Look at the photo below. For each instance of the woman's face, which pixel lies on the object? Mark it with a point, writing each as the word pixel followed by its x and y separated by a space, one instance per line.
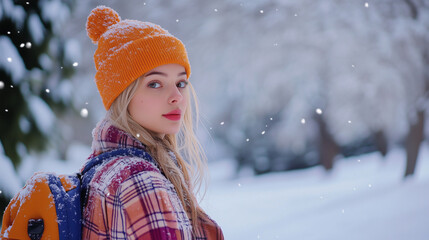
pixel 161 99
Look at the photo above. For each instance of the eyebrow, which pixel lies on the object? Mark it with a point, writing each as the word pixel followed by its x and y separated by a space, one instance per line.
pixel 163 74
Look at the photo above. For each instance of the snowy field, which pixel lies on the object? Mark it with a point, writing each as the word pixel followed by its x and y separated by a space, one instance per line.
pixel 364 197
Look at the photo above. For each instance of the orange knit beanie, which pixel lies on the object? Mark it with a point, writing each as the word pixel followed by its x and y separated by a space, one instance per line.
pixel 127 49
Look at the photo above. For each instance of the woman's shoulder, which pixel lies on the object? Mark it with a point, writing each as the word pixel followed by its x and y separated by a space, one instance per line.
pixel 114 172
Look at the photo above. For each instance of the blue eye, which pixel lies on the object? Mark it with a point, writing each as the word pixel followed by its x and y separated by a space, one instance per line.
pixel 182 84
pixel 154 85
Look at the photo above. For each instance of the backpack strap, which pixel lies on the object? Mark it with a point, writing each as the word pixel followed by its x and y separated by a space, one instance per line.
pixel 89 170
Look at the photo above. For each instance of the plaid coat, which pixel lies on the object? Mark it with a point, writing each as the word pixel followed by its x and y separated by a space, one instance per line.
pixel 129 197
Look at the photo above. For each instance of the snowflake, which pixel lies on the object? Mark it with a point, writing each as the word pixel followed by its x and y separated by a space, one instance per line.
pixel 84 112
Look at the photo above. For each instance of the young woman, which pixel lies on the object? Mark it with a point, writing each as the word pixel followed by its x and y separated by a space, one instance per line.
pixel 144 189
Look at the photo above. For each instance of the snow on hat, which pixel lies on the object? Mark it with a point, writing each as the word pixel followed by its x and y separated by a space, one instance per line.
pixel 127 49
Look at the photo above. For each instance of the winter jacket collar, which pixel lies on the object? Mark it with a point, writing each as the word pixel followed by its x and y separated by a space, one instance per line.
pixel 107 137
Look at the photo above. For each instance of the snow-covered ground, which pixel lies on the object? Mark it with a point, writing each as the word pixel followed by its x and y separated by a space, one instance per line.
pixel 364 197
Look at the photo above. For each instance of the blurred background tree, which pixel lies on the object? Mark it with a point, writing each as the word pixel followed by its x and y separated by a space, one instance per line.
pixel 35 66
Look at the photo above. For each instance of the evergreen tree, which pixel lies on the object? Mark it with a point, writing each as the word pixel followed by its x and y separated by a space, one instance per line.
pixel 34 68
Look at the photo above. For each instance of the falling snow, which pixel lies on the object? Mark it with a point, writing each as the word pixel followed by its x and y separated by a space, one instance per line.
pixel 75 64
pixel 319 111
pixel 1 84
pixel 84 112
pixel 303 121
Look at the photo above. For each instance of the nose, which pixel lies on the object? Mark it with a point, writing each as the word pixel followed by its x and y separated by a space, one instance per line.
pixel 175 96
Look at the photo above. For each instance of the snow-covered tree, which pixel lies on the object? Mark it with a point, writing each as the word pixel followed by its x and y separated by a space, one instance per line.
pixel 283 60
pixel 35 65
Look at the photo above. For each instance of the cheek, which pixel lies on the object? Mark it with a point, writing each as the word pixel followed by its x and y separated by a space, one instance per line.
pixel 140 106
pixel 185 99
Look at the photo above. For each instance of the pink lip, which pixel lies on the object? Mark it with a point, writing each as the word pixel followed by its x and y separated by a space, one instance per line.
pixel 174 115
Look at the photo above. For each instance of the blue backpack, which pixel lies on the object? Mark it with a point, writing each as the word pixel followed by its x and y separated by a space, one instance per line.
pixel 50 206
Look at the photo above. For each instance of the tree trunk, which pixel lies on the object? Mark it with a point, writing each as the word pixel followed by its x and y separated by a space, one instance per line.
pixel 414 138
pixel 381 142
pixel 328 148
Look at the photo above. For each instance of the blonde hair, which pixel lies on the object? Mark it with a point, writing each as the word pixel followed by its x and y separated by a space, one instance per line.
pixel 184 143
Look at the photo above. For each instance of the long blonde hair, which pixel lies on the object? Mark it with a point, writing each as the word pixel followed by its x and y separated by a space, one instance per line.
pixel 182 144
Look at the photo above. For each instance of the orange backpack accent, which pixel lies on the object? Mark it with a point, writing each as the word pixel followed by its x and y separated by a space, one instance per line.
pixel 44 201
